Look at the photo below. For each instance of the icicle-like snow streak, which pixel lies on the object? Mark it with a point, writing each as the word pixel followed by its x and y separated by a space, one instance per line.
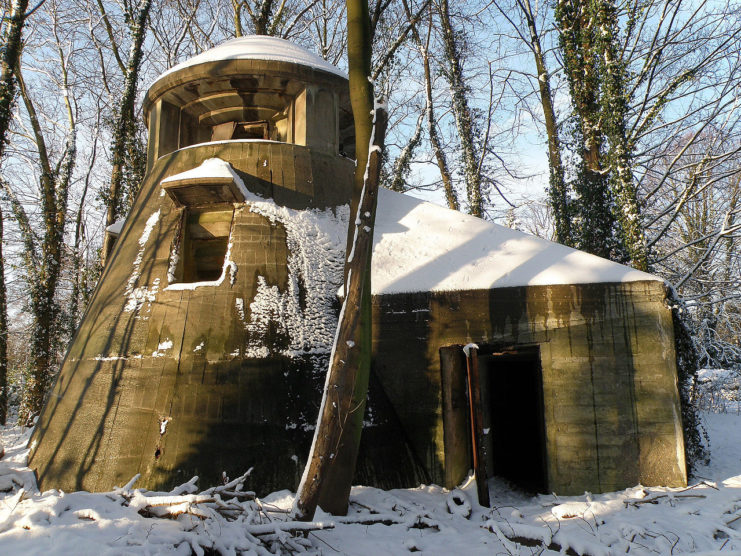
pixel 136 297
pixel 315 241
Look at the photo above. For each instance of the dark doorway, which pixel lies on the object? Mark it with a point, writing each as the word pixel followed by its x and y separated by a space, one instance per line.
pixel 512 393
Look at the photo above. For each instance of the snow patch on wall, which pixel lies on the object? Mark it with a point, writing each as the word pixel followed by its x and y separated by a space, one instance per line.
pixel 137 296
pixel 304 313
pixel 162 348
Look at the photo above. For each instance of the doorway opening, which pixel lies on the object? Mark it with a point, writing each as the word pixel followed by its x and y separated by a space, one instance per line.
pixel 512 400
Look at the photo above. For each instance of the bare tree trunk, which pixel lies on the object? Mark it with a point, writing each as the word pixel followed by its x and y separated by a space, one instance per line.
pixel 557 190
pixel 237 11
pixel 442 162
pixel 3 334
pixel 44 269
pixel 402 164
pixel 8 62
pixel 80 276
pixel 125 125
pixel 329 471
pixel 462 112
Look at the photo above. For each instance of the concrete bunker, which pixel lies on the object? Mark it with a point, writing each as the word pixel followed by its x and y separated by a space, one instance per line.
pixel 216 311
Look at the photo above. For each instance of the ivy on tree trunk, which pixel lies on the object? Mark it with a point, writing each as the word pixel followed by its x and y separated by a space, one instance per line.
pixel 124 133
pixel 462 112
pixel 3 334
pixel 42 256
pixel 607 210
pixel 11 53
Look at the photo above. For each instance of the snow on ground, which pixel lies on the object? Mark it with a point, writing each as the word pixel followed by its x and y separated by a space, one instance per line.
pixel 702 519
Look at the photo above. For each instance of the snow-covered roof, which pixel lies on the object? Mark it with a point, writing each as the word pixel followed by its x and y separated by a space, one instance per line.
pixel 258 47
pixel 419 246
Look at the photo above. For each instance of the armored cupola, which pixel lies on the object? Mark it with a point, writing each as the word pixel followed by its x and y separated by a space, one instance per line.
pixel 250 88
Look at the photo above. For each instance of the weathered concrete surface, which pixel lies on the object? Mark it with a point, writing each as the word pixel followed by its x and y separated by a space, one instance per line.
pixel 304 105
pixel 611 405
pixel 609 381
pixel 183 355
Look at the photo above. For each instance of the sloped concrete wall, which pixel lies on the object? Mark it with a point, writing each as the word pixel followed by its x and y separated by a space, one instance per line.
pixel 144 354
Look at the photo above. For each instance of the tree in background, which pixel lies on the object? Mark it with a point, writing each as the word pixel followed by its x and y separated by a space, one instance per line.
pixel 558 189
pixel 11 52
pixel 578 32
pixel 3 333
pixel 330 467
pixel 614 108
pixel 12 33
pixel 269 17
pixel 471 156
pixel 127 153
pixel 441 159
pixel 43 242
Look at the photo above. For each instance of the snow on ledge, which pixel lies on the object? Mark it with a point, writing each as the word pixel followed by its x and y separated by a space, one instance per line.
pixel 257 47
pixel 224 141
pixel 116 227
pixel 211 168
pixel 419 246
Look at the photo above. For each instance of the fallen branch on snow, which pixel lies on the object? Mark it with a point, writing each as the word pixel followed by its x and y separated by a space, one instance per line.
pixel 263 528
pixel 655 499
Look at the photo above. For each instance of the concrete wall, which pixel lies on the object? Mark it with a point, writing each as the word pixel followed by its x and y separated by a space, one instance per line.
pixel 612 415
pixel 610 397
pixel 227 411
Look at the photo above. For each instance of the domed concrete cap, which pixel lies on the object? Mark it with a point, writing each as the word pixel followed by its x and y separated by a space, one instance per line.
pixel 259 47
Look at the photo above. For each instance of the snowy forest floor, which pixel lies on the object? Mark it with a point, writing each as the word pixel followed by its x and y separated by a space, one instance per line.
pixel 702 519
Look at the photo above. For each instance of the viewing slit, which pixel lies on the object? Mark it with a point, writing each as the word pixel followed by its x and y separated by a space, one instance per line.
pixel 204 243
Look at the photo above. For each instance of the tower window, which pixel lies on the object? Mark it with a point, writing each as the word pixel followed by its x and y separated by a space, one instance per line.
pixel 204 242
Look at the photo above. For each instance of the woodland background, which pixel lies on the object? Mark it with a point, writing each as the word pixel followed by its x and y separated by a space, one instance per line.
pixel 610 126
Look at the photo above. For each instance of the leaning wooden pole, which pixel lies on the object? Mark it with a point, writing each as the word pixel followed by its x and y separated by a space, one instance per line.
pixel 477 423
pixel 331 464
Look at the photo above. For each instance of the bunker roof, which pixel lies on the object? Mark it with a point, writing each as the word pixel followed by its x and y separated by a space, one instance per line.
pixel 257 47
pixel 419 246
